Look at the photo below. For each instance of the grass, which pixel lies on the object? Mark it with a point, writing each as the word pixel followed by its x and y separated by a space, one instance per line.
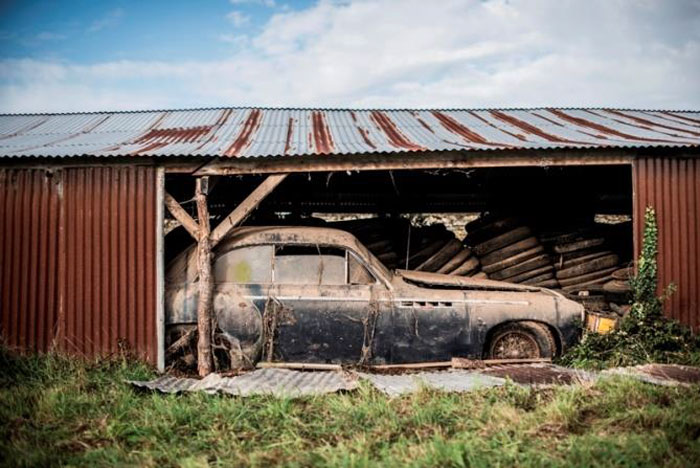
pixel 59 411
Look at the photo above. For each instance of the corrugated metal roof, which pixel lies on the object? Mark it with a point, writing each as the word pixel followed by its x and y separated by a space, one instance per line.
pixel 261 132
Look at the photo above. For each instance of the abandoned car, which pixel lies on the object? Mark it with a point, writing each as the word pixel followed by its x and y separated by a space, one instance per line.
pixel 317 295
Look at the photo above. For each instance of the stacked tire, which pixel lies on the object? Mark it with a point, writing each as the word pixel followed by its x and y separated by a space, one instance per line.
pixel 508 250
pixel 435 249
pixel 582 260
pixel 381 236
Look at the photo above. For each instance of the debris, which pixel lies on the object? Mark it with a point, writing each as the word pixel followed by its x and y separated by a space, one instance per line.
pixel 660 374
pixel 538 374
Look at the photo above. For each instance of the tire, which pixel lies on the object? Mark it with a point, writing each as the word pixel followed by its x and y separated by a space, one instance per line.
pixel 509 251
pixel 491 230
pixel 578 245
pixel 521 340
pixel 514 260
pixel 591 266
pixel 527 265
pixel 502 240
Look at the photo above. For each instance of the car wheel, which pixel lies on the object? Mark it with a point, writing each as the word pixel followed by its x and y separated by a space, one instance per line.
pixel 521 340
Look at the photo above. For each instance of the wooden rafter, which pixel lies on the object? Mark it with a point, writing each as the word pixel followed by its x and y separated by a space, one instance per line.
pixel 181 215
pixel 243 210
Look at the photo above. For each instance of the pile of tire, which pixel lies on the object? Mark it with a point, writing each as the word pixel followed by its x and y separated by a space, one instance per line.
pixel 435 249
pixel 508 250
pixel 619 290
pixel 582 259
pixel 382 236
pixel 429 248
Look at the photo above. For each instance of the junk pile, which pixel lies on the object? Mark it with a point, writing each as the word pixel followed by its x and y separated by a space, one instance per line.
pixel 509 251
pixel 587 261
pixel 431 248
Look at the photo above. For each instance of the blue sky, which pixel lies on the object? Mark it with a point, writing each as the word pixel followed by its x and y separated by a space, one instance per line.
pixel 88 31
pixel 110 55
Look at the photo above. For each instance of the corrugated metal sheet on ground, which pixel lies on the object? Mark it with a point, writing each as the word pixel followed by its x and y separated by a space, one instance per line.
pixel 279 382
pixel 259 132
pixel 78 261
pixel 449 381
pixel 290 383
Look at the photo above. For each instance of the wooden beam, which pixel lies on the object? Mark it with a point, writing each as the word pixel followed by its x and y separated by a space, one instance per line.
pixel 181 215
pixel 418 161
pixel 205 283
pixel 243 210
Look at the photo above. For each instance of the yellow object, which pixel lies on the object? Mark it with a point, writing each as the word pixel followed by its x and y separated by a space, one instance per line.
pixel 599 323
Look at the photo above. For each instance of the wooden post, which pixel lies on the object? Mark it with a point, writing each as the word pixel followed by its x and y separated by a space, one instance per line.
pixel 206 285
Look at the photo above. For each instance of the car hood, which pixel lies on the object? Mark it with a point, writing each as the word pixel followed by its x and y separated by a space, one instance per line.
pixel 419 278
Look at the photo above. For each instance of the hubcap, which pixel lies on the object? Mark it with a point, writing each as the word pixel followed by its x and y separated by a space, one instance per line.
pixel 515 345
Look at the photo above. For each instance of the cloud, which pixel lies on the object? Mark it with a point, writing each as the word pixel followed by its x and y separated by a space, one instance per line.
pixel 408 53
pixel 238 18
pixel 112 18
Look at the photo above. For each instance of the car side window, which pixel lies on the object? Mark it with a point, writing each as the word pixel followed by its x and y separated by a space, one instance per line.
pixel 309 265
pixel 357 273
pixel 245 265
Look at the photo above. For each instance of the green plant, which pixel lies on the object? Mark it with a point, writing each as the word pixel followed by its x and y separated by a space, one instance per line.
pixel 644 335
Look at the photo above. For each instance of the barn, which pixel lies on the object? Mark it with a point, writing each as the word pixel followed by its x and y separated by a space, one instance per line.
pixel 85 198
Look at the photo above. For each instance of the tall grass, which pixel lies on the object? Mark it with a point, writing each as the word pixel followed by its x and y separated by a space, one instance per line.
pixel 59 411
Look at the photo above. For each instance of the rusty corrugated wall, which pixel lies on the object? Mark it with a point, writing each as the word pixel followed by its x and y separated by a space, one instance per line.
pixel 78 256
pixel 672 187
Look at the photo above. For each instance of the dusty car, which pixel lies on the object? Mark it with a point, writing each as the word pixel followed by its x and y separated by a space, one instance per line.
pixel 317 295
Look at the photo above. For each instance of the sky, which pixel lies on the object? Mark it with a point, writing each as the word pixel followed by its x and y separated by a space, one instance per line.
pixel 88 55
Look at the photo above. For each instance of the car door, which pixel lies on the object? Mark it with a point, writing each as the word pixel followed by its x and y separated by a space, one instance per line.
pixel 327 309
pixel 429 326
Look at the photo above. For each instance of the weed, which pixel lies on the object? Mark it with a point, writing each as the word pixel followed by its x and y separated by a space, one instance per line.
pixel 60 411
pixel 644 335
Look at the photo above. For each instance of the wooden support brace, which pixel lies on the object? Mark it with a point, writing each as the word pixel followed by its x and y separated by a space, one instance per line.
pixel 181 215
pixel 243 210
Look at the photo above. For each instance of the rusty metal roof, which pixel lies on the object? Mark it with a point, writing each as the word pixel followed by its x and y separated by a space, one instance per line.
pixel 262 132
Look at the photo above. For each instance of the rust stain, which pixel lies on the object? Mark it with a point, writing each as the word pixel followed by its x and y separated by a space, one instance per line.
pixel 159 137
pixel 87 129
pixel 667 118
pixel 528 128
pixel 682 117
pixel 460 129
pixel 27 128
pixel 422 122
pixel 364 133
pixel 394 135
pixel 602 128
pixel 516 135
pixel 223 118
pixel 290 132
pixel 554 122
pixel 251 125
pixel 648 124
pixel 323 141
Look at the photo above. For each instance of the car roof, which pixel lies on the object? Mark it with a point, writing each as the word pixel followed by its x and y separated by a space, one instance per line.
pixel 249 235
